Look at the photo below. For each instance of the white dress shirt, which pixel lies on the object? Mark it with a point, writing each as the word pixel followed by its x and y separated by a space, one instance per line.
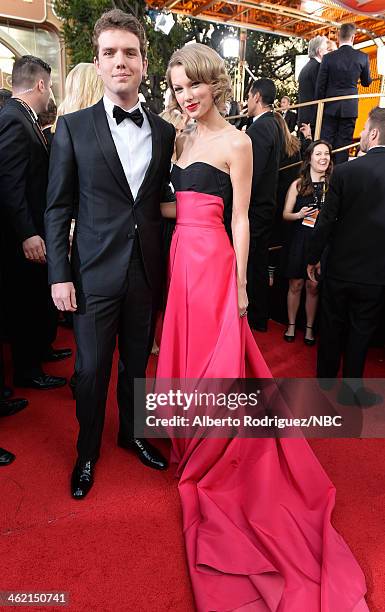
pixel 264 113
pixel 133 145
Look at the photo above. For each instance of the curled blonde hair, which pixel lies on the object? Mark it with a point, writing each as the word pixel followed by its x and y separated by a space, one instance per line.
pixel 83 88
pixel 204 65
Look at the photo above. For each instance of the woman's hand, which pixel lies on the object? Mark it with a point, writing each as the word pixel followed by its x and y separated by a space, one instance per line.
pixel 243 301
pixel 305 211
pixel 305 129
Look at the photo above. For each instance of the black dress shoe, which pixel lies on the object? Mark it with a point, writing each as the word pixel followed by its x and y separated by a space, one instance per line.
pixel 146 452
pixel 82 479
pixel 6 393
pixel 326 384
pixel 346 395
pixel 42 382
pixel 367 398
pixel 6 457
pixel 57 354
pixel 11 406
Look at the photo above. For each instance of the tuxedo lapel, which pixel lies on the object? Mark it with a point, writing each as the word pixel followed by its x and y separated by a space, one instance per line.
pixel 108 148
pixel 155 156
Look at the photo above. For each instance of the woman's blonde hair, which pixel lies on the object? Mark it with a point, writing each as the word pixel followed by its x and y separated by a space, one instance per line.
pixel 83 88
pixel 173 116
pixel 202 64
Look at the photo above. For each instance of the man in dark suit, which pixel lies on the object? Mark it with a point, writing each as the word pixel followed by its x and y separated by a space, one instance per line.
pixel 353 220
pixel 118 156
pixel 267 141
pixel 307 81
pixel 289 116
pixel 338 76
pixel 8 405
pixel 23 185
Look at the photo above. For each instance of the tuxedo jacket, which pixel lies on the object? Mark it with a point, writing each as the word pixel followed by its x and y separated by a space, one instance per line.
pixel 307 81
pixel 267 141
pixel 338 75
pixel 291 120
pixel 23 173
pixel 87 180
pixel 352 221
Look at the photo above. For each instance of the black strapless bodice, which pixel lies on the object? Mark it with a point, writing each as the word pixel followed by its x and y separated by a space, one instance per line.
pixel 205 178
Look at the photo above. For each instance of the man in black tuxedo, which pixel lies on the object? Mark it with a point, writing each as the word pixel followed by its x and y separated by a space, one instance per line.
pixel 353 220
pixel 289 116
pixel 338 76
pixel 117 155
pixel 307 81
pixel 23 185
pixel 267 141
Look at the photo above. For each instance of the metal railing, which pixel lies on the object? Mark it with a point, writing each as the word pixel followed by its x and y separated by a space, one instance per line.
pixel 320 112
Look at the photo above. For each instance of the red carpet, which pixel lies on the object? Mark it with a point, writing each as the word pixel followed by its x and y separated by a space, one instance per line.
pixel 122 548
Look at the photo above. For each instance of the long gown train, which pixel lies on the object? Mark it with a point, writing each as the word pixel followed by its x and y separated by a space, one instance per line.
pixel 256 512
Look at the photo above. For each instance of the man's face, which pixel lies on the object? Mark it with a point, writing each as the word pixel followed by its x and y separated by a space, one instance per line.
pixel 47 94
pixel 44 94
pixel 120 64
pixel 323 49
pixel 284 103
pixel 366 137
pixel 252 104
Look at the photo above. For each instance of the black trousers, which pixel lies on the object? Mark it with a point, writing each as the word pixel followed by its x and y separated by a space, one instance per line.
pixel 338 131
pixel 30 313
pixel 98 322
pixel 258 276
pixel 350 314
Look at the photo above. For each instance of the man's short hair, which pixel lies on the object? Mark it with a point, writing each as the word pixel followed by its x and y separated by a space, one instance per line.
pixel 117 19
pixel 5 95
pixel 347 30
pixel 315 44
pixel 266 89
pixel 377 121
pixel 27 70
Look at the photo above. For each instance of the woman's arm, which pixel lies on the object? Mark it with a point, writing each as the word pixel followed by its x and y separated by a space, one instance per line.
pixel 168 210
pixel 291 197
pixel 241 173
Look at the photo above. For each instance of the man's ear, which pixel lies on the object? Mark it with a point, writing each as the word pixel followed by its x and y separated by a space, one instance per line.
pixel 96 64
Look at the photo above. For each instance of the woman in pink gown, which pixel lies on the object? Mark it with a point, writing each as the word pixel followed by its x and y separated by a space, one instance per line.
pixel 256 512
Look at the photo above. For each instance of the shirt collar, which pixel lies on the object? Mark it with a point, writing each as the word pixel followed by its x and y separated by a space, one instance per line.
pixel 264 113
pixel 29 107
pixel 109 106
pixel 347 44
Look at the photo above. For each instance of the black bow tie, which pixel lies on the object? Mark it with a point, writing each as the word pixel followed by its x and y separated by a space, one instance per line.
pixel 120 115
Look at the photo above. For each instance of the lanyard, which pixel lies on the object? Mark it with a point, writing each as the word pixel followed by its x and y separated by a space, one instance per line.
pixel 35 121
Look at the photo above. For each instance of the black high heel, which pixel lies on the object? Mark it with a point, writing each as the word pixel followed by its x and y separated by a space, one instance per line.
pixel 286 336
pixel 309 341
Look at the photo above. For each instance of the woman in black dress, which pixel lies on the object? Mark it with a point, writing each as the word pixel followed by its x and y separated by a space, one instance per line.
pixel 304 200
